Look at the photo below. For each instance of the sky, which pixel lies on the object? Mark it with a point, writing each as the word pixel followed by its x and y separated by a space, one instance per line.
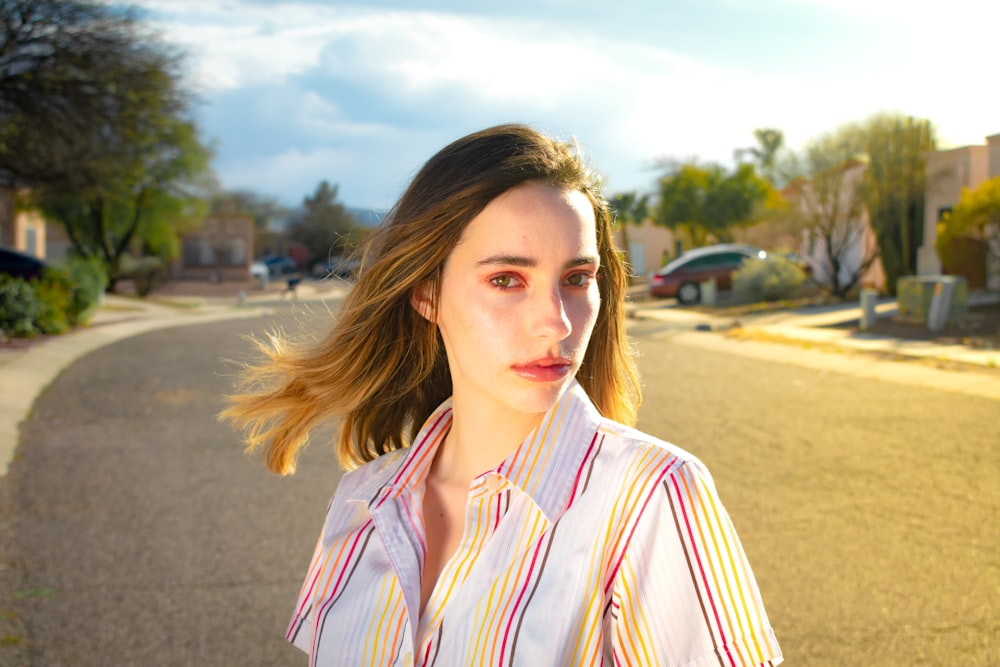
pixel 362 93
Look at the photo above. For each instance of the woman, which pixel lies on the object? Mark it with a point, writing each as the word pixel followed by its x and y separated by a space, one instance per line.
pixel 500 510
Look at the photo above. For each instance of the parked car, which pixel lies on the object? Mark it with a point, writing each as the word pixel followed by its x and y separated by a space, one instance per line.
pixel 338 267
pixel 683 276
pixel 259 271
pixel 279 265
pixel 20 265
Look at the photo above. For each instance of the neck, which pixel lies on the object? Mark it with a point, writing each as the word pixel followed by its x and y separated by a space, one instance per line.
pixel 478 442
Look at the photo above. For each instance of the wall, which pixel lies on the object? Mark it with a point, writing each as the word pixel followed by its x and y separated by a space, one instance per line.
pixel 222 250
pixel 647 244
pixel 21 230
pixel 948 172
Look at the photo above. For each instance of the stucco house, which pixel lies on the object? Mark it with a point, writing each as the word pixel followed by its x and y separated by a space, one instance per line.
pixel 221 250
pixel 948 173
pixel 24 231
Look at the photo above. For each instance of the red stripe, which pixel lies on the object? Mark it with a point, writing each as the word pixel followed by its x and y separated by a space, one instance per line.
pixel 414 459
pixel 517 603
pixel 635 524
pixel 701 569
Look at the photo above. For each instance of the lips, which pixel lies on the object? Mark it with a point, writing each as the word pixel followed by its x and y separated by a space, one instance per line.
pixel 546 369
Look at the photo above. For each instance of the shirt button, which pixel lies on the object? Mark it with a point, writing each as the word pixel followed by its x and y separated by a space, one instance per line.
pixel 407 659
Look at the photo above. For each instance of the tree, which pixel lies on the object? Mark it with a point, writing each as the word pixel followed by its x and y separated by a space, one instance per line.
pixel 766 153
pixel 895 183
pixel 94 120
pixel 977 216
pixel 67 68
pixel 707 202
pixel 156 195
pixel 324 226
pixel 827 198
pixel 263 210
pixel 628 208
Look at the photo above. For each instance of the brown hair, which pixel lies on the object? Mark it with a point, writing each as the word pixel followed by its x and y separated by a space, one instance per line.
pixel 383 368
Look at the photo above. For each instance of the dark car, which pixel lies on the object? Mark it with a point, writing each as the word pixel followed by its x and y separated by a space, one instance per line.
pixel 278 265
pixel 681 278
pixel 20 265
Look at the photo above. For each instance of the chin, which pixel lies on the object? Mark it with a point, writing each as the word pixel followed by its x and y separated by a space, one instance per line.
pixel 540 399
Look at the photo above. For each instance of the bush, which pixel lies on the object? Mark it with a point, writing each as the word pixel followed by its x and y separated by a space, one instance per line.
pixel 88 281
pixel 146 272
pixel 19 307
pixel 54 297
pixel 770 279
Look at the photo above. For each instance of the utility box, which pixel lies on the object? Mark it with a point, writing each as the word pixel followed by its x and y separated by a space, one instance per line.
pixel 915 293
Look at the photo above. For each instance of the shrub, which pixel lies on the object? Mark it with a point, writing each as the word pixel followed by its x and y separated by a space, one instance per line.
pixel 89 280
pixel 54 296
pixel 146 272
pixel 770 279
pixel 19 307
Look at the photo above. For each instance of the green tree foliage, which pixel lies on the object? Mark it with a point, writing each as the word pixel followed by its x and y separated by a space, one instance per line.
pixel 65 71
pixel 977 216
pixel 629 208
pixel 895 183
pixel 706 203
pixel 766 154
pixel 95 121
pixel 259 208
pixel 827 198
pixel 324 226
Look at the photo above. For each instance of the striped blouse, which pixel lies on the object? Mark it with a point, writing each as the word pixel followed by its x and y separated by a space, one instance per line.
pixel 592 544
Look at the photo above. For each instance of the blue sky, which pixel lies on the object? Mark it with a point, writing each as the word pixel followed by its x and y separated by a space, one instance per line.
pixel 362 93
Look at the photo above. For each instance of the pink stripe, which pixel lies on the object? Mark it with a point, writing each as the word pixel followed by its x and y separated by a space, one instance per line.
pixel 517 603
pixel 414 460
pixel 343 570
pixel 635 525
pixel 701 568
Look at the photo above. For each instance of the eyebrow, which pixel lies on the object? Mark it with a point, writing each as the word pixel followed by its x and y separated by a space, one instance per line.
pixel 528 262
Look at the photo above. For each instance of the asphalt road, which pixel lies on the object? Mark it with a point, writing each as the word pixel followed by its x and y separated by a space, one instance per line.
pixel 133 530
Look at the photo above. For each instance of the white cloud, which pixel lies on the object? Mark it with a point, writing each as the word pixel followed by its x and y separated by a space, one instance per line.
pixel 631 103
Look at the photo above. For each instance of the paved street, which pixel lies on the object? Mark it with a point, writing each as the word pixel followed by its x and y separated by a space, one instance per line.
pixel 133 531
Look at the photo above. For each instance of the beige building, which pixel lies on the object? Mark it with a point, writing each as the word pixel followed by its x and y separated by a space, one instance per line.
pixel 647 246
pixel 220 251
pixel 948 173
pixel 23 231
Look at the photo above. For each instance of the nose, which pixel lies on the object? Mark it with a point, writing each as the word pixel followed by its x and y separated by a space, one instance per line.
pixel 551 320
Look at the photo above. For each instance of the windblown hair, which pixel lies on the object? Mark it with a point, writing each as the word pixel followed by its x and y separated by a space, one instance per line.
pixel 382 370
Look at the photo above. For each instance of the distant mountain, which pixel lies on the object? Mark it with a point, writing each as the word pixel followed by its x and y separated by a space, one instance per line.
pixel 365 216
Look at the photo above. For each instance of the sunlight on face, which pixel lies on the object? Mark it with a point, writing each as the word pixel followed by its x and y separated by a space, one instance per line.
pixel 519 299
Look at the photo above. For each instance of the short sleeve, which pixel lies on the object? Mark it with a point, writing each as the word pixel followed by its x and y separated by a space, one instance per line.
pixel 684 593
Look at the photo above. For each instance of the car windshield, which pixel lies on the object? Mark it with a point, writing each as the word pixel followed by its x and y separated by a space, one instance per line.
pixel 720 256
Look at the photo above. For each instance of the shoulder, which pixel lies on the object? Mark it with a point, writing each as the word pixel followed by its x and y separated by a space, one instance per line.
pixel 648 473
pixel 630 444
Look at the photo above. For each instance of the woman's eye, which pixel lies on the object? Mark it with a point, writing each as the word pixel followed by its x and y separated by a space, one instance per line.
pixel 579 279
pixel 504 281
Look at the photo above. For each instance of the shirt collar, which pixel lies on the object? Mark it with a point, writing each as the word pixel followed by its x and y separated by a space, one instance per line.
pixel 545 466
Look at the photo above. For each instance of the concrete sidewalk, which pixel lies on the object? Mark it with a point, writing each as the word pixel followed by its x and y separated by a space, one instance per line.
pixel 818 325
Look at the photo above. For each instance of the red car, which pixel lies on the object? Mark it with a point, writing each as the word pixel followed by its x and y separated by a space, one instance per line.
pixel 683 276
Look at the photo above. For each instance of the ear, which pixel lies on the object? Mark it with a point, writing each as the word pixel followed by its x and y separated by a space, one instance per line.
pixel 422 300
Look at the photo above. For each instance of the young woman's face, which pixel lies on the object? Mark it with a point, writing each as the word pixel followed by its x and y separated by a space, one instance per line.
pixel 519 299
